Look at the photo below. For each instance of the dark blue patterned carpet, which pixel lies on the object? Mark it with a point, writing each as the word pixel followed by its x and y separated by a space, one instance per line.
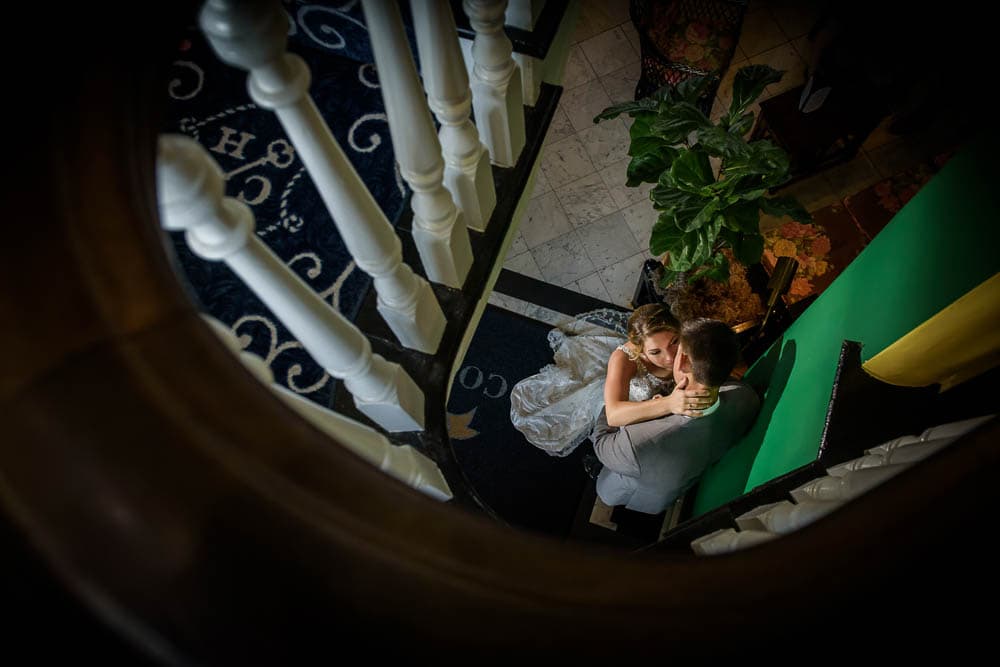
pixel 524 485
pixel 208 101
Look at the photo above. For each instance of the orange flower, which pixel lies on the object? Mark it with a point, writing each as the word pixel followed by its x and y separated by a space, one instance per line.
pixel 800 287
pixel 794 230
pixel 820 246
pixel 784 248
pixel 821 267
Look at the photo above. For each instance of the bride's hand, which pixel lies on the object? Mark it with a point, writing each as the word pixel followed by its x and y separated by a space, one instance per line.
pixel 689 402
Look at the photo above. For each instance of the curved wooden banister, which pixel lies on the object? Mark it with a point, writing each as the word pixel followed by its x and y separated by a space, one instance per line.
pixel 203 520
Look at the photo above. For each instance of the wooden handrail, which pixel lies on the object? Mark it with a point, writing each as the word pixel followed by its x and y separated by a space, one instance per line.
pixel 204 521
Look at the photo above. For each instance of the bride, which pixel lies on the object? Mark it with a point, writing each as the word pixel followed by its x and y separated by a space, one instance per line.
pixel 603 361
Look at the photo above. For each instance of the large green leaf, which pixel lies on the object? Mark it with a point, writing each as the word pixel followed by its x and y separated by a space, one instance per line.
pixel 665 235
pixel 613 111
pixel 717 268
pixel 645 144
pixel 666 93
pixel 748 248
pixel 691 90
pixel 665 197
pixel 762 159
pixel 641 126
pixel 675 122
pixel 705 215
pixel 781 206
pixel 691 171
pixel 743 216
pixel 720 143
pixel 748 84
pixel 772 162
pixel 646 168
pixel 742 125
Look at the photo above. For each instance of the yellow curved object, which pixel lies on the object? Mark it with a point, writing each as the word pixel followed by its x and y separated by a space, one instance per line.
pixel 956 344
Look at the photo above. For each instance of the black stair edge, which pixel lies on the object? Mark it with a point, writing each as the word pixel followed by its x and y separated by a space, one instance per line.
pixel 548 295
pixel 534 43
pixel 864 412
pixel 432 373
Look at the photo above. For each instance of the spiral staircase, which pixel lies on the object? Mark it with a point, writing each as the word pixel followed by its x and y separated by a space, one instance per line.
pixel 161 504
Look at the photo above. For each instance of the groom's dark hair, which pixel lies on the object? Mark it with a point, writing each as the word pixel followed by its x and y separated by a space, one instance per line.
pixel 713 349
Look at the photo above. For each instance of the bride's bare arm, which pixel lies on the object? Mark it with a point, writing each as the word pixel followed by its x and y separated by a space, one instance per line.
pixel 621 412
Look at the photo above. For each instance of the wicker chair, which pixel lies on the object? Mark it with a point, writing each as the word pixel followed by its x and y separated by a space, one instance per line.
pixel 681 39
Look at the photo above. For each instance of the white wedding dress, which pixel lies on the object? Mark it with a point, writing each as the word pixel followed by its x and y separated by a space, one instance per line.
pixel 556 408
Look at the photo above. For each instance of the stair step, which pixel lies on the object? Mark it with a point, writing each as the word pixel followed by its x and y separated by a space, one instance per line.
pixel 550 296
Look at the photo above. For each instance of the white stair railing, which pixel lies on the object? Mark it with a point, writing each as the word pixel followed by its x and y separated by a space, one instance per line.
pixel 521 14
pixel 467 172
pixel 843 482
pixel 401 461
pixel 496 83
pixel 438 225
pixel 190 189
pixel 252 36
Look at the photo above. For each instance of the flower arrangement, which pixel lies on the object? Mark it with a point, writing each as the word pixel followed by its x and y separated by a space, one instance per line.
pixel 807 243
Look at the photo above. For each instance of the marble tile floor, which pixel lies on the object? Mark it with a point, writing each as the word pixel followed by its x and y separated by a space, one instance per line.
pixel 584 229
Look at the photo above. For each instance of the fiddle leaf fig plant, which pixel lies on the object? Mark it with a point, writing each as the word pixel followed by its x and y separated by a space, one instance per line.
pixel 703 210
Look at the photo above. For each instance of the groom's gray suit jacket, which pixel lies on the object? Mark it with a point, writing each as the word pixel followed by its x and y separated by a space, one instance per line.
pixel 650 464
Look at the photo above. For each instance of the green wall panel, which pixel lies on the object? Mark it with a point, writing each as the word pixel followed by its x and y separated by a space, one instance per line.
pixel 943 243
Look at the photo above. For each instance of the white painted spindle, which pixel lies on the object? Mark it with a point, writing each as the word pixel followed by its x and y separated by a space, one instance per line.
pixel 438 226
pixel 402 462
pixel 728 540
pixel 522 14
pixel 849 485
pixel 252 36
pixel 467 172
pixel 190 191
pixel 496 83
pixel 784 517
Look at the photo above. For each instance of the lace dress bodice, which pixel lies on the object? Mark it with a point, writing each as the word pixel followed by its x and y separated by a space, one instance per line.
pixel 644 385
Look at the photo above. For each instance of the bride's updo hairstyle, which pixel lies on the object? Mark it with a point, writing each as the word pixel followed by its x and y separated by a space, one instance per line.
pixel 648 320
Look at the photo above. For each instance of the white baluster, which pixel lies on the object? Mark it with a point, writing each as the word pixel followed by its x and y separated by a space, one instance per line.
pixel 467 172
pixel 726 540
pixel 438 226
pixel 190 190
pixel 252 36
pixel 784 517
pixel 850 485
pixel 402 462
pixel 954 429
pixel 496 83
pixel 521 14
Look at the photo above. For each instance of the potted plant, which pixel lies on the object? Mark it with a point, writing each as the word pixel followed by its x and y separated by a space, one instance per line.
pixel 709 214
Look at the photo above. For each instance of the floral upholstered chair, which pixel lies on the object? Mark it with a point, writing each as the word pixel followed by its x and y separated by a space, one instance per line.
pixel 681 39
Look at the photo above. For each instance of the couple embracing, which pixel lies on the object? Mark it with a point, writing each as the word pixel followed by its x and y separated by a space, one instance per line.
pixel 664 411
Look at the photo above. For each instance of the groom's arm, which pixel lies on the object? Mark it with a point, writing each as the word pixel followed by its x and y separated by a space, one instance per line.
pixel 617 448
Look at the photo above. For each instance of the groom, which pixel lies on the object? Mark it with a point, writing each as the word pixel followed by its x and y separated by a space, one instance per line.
pixel 649 464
